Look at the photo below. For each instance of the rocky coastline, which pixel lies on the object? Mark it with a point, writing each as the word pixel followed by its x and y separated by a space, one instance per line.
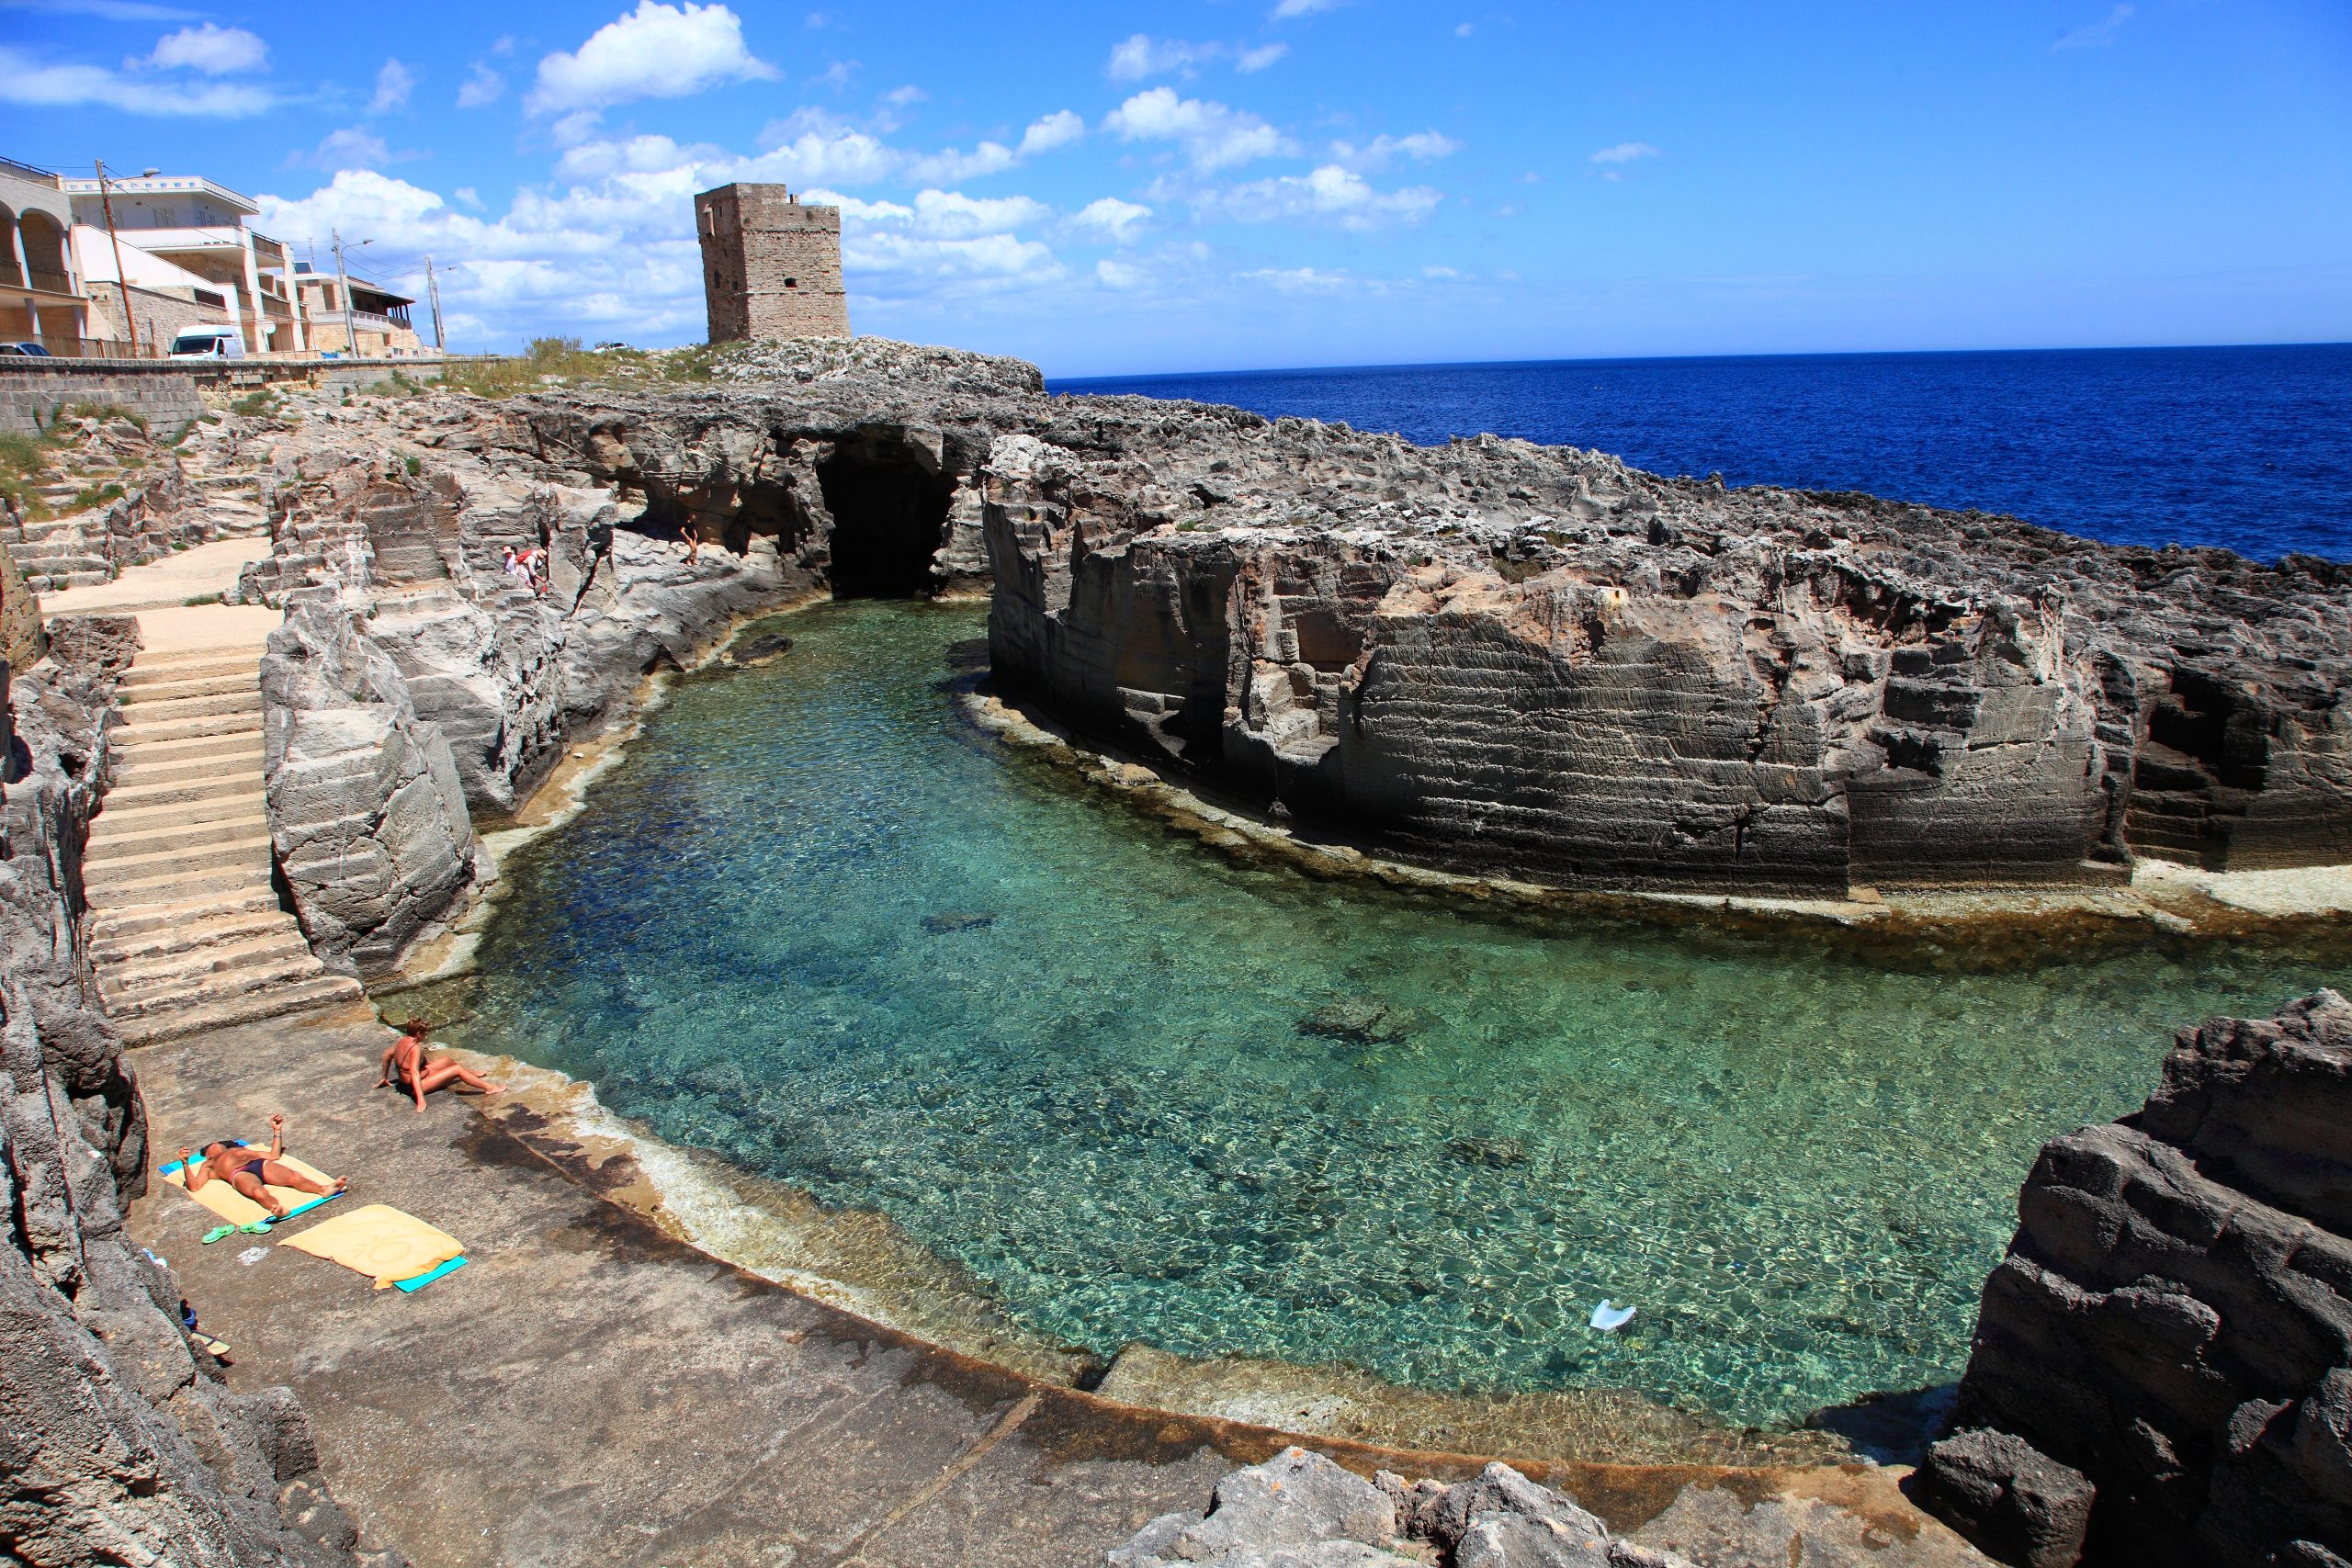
pixel 1493 666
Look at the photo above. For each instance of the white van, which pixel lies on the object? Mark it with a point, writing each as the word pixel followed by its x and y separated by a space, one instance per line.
pixel 208 343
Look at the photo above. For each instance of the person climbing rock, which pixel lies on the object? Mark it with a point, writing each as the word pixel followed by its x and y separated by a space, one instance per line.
pixel 254 1174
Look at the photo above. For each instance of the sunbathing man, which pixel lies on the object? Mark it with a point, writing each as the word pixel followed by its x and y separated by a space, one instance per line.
pixel 252 1173
pixel 423 1075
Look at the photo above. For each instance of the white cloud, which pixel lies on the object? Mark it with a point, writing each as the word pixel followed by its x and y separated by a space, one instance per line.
pixel 2099 33
pixel 1120 275
pixel 25 80
pixel 1141 57
pixel 393 83
pixel 1421 147
pixel 1465 29
pixel 1329 194
pixel 469 196
pixel 1625 152
pixel 1059 129
pixel 1295 279
pixel 215 51
pixel 482 87
pixel 1289 8
pixel 654 52
pixel 354 147
pixel 1111 218
pixel 1251 61
pixel 900 98
pixel 952 215
pixel 1213 136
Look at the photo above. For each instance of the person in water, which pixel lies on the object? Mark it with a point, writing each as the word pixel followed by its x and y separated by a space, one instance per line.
pixel 254 1173
pixel 423 1074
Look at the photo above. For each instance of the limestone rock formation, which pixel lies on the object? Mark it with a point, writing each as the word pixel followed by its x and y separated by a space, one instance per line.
pixel 1532 661
pixel 2162 1373
pixel 117 1443
pixel 1300 1510
pixel 367 816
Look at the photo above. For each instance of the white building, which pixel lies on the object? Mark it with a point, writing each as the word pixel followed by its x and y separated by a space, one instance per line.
pixel 215 268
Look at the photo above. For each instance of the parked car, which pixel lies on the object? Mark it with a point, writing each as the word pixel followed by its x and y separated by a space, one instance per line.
pixel 208 343
pixel 25 350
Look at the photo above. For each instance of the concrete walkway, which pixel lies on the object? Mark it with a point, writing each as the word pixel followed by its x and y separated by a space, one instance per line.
pixel 589 1390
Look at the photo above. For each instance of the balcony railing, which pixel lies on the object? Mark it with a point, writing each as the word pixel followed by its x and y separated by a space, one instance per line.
pixel 53 282
pixel 63 346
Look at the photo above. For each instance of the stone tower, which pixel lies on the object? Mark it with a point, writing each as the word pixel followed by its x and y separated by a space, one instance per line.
pixel 771 268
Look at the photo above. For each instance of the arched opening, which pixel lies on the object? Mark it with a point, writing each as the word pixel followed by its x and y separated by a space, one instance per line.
pixel 889 518
pixel 45 253
pixel 9 272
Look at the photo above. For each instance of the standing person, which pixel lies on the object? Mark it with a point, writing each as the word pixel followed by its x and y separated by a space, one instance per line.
pixel 406 1056
pixel 254 1174
pixel 692 533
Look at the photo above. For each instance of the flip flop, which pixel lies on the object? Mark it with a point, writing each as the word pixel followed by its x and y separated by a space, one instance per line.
pixel 255 1227
pixel 217 1232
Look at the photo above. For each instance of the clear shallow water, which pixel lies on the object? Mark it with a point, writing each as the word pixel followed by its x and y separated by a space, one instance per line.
pixel 2241 447
pixel 1797 1163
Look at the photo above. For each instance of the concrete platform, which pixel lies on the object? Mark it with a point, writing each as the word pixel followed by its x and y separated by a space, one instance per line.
pixel 161 584
pixel 590 1391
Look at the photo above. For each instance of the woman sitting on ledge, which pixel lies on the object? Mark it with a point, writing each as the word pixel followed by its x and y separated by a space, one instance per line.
pixel 252 1172
pixel 423 1075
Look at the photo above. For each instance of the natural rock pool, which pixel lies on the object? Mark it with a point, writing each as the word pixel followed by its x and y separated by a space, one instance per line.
pixel 818 925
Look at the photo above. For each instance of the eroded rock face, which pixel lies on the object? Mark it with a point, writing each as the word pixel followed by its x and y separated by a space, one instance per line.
pixel 2162 1371
pixel 1538 662
pixel 367 816
pixel 118 1444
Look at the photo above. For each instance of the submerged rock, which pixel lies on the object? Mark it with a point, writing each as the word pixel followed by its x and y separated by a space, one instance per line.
pixel 756 651
pixel 2162 1371
pixel 940 925
pixel 1364 1022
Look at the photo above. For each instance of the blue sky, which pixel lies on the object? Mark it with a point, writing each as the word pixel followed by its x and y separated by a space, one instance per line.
pixel 1224 183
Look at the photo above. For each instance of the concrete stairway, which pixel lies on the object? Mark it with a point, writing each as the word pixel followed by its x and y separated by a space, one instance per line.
pixel 185 925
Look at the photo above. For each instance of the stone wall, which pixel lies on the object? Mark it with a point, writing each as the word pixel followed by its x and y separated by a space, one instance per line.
pixel 119 1442
pixel 2162 1373
pixel 165 395
pixel 160 316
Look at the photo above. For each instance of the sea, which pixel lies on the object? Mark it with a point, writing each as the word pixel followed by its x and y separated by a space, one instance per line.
pixel 2247 448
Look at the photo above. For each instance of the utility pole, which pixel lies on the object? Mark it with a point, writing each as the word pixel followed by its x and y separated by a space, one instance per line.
pixel 121 279
pixel 433 290
pixel 342 281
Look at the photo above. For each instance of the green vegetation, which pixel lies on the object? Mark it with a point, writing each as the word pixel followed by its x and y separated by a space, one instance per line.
pixel 255 405
pixel 86 409
pixel 180 436
pixel 564 360
pixel 89 496
pixel 396 385
pixel 201 599
pixel 20 464
pixel 415 466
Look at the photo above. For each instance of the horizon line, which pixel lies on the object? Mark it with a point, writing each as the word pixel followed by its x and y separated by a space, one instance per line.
pixel 1695 358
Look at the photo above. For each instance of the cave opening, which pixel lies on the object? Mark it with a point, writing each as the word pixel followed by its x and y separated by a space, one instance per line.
pixel 890 519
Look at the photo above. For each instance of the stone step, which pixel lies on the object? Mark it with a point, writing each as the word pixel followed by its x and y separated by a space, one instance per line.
pixel 200 833
pixel 124 922
pixel 164 754
pixel 143 731
pixel 195 780
pixel 51 582
pixel 156 661
pixel 154 707
pixel 229 797
pixel 133 989
pixel 190 932
pixel 239 676
pixel 121 876
pixel 308 996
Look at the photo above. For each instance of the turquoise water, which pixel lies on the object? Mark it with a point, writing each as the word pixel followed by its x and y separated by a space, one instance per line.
pixel 817 925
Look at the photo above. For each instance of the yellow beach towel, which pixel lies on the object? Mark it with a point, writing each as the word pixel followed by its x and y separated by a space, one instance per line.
pixel 234 1206
pixel 381 1242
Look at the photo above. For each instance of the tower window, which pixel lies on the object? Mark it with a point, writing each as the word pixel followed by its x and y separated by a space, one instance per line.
pixel 792 283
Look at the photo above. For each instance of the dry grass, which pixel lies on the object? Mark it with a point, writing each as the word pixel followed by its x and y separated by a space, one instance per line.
pixel 562 361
